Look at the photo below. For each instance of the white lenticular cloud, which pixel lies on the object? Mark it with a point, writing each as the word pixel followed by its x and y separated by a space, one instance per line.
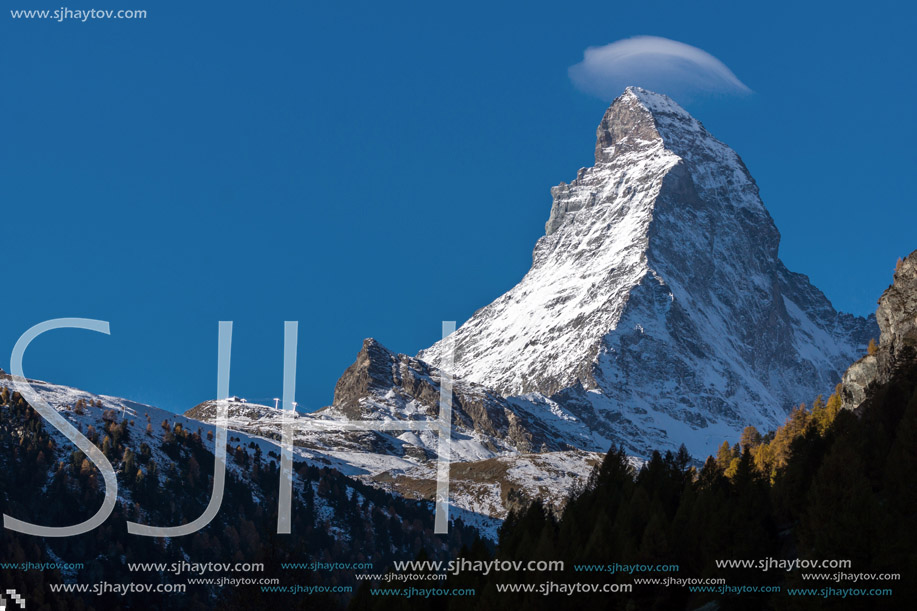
pixel 659 64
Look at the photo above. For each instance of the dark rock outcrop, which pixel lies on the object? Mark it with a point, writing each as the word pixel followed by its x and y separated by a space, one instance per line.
pixel 896 357
pixel 382 384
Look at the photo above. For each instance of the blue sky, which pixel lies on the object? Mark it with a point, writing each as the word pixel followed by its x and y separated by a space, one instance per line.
pixel 371 169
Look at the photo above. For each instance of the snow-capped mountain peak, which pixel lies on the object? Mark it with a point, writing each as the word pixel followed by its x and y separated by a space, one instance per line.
pixel 657 287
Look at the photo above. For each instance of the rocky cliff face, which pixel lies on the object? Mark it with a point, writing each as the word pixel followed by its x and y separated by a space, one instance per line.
pixel 657 310
pixel 897 353
pixel 382 385
pixel 897 316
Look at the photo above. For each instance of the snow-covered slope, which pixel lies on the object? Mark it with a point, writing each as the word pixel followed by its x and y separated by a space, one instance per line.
pixel 657 310
pixel 502 453
pixel 252 428
pixel 494 486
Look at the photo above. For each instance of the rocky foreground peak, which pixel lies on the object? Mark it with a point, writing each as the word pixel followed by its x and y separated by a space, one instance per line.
pixel 374 370
pixel 383 385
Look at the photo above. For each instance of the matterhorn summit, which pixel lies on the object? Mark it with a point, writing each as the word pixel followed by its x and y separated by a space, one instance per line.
pixel 657 311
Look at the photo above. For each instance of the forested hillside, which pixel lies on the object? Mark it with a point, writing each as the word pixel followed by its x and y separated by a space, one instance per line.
pixel 164 475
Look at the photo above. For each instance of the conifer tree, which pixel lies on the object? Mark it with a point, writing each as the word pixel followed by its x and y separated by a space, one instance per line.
pixel 750 439
pixel 724 456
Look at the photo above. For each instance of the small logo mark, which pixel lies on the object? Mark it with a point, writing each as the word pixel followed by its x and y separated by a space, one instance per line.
pixel 14 596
